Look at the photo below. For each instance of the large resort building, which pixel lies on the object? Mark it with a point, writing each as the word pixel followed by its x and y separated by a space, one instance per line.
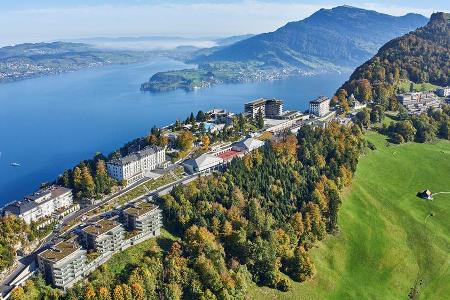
pixel 134 166
pixel 70 260
pixel 269 108
pixel 44 205
pixel 320 106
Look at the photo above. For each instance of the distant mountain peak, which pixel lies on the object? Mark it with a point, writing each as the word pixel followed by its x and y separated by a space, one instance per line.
pixel 338 38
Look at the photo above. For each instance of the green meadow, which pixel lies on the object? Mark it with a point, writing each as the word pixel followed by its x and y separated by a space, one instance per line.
pixel 391 244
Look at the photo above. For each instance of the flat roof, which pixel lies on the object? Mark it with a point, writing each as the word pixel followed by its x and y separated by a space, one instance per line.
pixel 60 250
pixel 229 154
pixel 136 155
pixel 140 209
pixel 319 100
pixel 256 102
pixel 100 227
pixel 54 190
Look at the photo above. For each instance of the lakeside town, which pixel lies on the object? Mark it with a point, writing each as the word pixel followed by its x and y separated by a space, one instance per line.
pixel 84 233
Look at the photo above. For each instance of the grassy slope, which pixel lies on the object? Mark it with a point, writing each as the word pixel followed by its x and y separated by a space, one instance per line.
pixel 385 247
pixel 134 255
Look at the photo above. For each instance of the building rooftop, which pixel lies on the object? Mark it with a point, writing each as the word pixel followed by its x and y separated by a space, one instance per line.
pixel 319 100
pixel 135 156
pixel 229 154
pixel 60 250
pixel 100 227
pixel 140 209
pixel 256 102
pixel 34 200
pixel 51 192
pixel 20 207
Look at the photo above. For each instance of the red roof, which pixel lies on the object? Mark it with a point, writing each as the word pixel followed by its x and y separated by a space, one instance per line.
pixel 229 154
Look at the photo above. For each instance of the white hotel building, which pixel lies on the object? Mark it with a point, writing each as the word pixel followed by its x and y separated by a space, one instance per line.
pixel 133 167
pixel 320 106
pixel 47 203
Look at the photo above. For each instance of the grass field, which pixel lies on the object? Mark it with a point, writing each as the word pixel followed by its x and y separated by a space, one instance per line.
pixel 405 85
pixel 388 243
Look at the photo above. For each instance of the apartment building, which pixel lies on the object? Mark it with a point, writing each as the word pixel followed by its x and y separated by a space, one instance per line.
pixel 68 261
pixel 134 166
pixel 320 106
pixel 103 236
pixel 63 264
pixel 45 204
pixel 143 217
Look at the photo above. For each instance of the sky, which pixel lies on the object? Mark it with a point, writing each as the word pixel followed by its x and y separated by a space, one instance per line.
pixel 47 20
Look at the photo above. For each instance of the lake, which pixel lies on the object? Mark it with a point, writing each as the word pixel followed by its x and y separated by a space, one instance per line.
pixel 50 123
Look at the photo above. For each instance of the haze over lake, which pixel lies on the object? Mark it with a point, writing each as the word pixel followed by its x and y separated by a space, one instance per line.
pixel 48 124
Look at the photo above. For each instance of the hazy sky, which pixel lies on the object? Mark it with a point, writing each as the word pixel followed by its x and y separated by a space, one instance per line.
pixel 44 20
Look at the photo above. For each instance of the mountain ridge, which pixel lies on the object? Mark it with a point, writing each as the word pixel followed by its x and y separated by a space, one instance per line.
pixel 304 43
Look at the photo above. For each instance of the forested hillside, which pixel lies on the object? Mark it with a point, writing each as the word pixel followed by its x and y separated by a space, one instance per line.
pixel 255 223
pixel 420 56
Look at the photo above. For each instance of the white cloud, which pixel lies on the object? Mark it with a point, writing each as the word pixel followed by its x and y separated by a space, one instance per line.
pixel 397 10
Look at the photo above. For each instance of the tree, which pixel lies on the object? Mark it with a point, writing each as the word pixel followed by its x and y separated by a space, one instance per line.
pixel 205 142
pixel 297 224
pixel 137 291
pixel 90 293
pixel 172 291
pixel 185 140
pixel 302 266
pixel 77 179
pixel 201 116
pixel 88 185
pixel 260 119
pixel 363 118
pixel 118 293
pixel 64 179
pixel 377 114
pixel 103 294
pixel 18 294
pixel 192 119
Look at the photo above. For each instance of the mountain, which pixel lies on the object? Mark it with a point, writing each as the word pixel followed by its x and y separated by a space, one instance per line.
pixel 343 36
pixel 421 56
pixel 329 40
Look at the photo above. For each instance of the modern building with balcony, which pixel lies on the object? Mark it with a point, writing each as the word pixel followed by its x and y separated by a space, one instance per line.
pixel 63 264
pixel 105 235
pixel 144 218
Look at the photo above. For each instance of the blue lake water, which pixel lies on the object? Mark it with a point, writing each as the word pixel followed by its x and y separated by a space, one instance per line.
pixel 48 124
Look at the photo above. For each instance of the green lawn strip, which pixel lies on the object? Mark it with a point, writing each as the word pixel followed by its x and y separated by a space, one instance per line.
pixel 384 246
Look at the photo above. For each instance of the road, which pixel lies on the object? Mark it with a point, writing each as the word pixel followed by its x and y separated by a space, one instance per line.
pixel 27 260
